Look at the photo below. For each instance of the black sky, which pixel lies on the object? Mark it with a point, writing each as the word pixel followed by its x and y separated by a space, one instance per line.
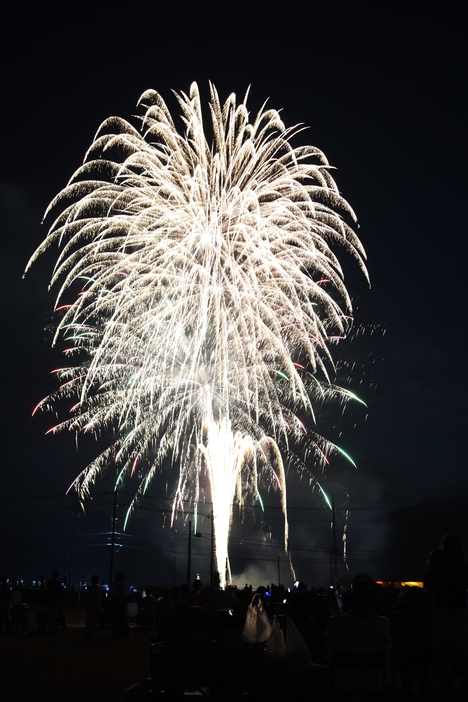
pixel 383 89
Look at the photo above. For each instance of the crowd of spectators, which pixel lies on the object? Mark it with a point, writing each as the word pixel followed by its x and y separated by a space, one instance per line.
pixel 422 631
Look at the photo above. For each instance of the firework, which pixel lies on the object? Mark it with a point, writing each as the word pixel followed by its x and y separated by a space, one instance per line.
pixel 200 293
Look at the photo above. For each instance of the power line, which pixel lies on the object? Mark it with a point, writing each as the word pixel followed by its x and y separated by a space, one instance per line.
pixel 234 505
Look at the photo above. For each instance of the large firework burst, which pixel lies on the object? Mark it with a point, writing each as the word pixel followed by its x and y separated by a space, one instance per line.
pixel 210 293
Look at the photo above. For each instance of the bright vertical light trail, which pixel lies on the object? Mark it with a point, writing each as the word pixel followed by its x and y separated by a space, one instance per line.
pixel 206 290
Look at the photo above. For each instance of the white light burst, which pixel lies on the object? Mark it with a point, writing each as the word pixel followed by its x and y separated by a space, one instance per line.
pixel 210 293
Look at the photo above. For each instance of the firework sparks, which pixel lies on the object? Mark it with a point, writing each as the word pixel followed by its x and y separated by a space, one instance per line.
pixel 209 294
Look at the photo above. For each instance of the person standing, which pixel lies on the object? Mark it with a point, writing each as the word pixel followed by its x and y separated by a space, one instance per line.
pixel 118 594
pixel 5 603
pixel 54 591
pixel 93 607
pixel 361 630
pixel 446 582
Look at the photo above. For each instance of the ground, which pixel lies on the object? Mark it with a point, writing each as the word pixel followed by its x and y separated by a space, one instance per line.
pixel 68 666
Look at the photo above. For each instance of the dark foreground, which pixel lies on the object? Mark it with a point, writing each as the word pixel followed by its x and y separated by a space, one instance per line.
pixel 67 666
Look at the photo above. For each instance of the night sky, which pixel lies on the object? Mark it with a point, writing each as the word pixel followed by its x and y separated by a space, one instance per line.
pixel 382 88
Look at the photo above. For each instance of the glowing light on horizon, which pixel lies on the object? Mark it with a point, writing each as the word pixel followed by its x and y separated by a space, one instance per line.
pixel 207 293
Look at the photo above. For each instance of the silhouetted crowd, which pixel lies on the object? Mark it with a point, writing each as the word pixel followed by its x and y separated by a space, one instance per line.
pixel 289 643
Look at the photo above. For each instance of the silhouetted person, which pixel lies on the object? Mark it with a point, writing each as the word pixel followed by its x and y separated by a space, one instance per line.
pixel 5 602
pixel 93 607
pixel 54 591
pixel 181 602
pixel 146 610
pixel 446 581
pixel 118 607
pixel 164 610
pixel 213 597
pixel 411 637
pixel 193 598
pixel 361 630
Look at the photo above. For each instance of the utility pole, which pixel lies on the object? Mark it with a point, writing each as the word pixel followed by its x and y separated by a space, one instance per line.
pixel 114 520
pixel 212 550
pixel 75 516
pixel 334 541
pixel 279 579
pixel 189 558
